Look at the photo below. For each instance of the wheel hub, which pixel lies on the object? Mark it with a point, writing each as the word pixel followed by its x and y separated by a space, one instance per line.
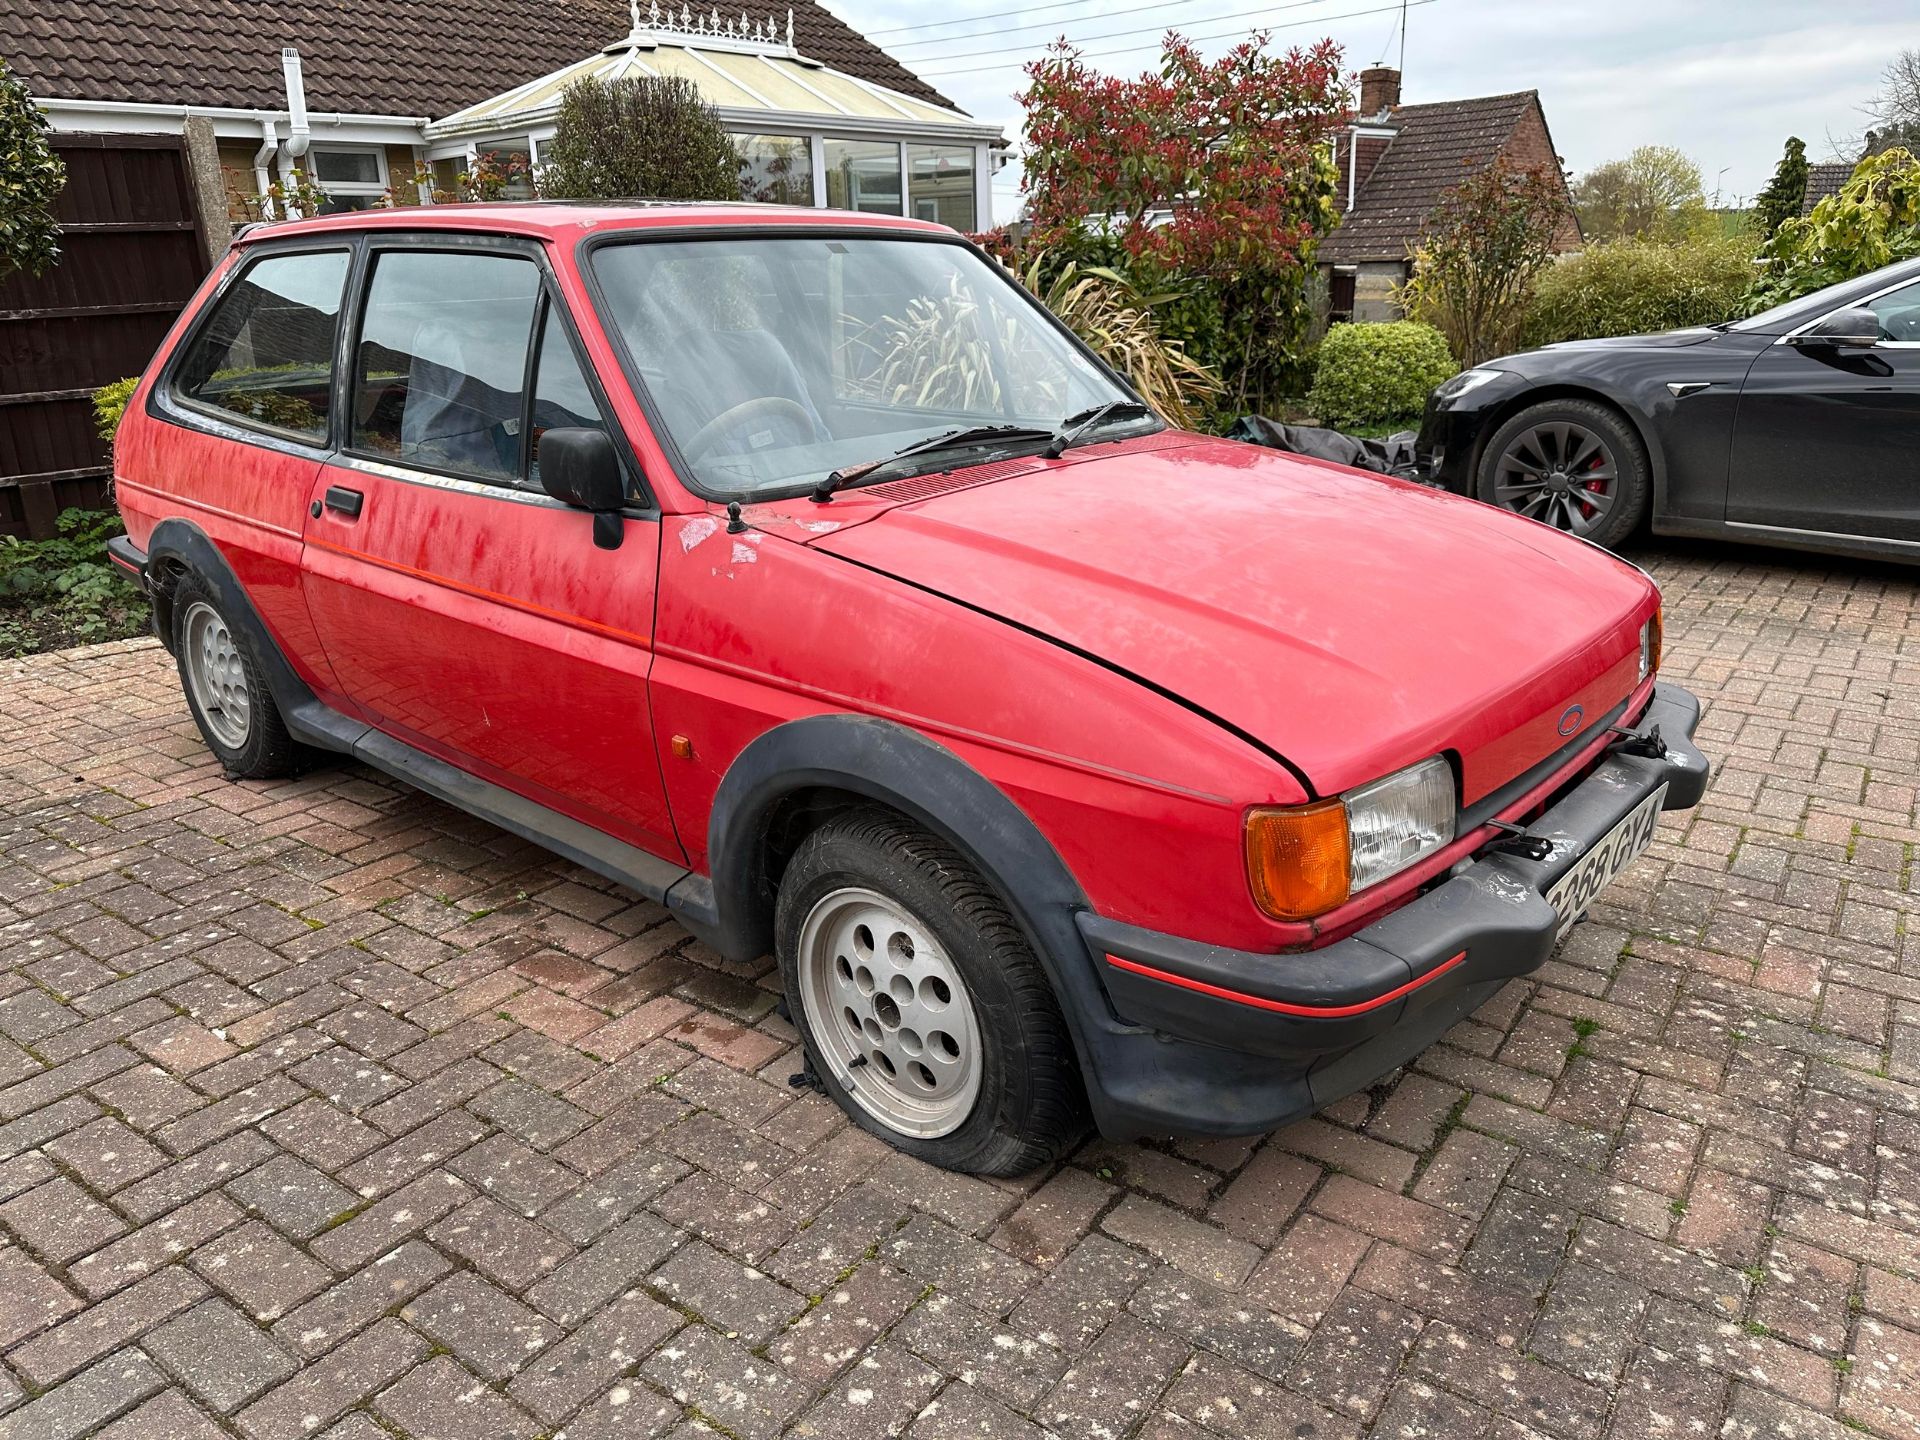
pixel 889 1013
pixel 1558 472
pixel 216 675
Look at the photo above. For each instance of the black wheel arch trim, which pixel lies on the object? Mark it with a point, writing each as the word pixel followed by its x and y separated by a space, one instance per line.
pixel 180 542
pixel 896 766
pixel 891 765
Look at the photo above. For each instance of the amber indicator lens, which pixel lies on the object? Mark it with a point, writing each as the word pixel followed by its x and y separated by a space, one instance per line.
pixel 1297 859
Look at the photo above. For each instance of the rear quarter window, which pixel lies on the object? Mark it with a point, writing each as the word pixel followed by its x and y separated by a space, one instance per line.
pixel 265 353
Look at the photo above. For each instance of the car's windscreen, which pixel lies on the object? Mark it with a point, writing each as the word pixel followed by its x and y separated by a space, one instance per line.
pixel 774 362
pixel 1794 313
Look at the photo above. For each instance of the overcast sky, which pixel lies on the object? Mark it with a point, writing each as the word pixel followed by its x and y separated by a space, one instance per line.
pixel 1724 80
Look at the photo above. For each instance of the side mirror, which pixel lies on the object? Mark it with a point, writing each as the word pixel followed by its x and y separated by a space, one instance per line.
pixel 1853 329
pixel 580 466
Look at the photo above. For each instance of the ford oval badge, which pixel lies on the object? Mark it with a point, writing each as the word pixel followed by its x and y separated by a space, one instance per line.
pixel 1570 721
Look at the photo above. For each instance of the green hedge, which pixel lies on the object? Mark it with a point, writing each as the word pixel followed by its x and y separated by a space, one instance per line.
pixel 1371 375
pixel 110 403
pixel 1636 287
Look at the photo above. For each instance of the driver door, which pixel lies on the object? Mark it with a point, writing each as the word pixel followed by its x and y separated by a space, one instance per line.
pixel 1827 439
pixel 464 610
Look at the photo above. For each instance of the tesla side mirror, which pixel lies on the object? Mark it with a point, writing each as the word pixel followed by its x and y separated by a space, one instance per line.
pixel 578 465
pixel 1853 329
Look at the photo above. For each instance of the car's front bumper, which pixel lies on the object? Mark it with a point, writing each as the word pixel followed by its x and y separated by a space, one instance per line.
pixel 1249 1041
pixel 1454 428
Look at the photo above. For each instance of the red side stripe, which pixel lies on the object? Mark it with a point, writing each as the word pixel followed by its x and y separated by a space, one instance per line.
pixel 1316 1012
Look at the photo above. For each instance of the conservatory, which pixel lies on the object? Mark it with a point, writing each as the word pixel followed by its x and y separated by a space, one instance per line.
pixel 807 134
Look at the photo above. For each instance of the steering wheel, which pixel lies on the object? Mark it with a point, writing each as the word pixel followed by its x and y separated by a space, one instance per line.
pixel 768 407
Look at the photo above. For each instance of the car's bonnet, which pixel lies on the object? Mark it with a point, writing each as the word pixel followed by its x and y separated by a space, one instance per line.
pixel 1664 340
pixel 1350 623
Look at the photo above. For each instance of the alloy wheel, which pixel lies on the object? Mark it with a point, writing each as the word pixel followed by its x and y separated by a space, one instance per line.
pixel 217 674
pixel 889 1013
pixel 1561 473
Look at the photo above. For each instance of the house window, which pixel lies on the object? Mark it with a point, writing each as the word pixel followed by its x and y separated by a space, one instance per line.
pixel 446 172
pixel 353 179
pixel 864 175
pixel 940 184
pixel 512 159
pixel 777 169
pixel 495 170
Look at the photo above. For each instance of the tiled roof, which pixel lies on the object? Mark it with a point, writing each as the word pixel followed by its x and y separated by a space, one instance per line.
pixel 386 57
pixel 1436 148
pixel 1824 180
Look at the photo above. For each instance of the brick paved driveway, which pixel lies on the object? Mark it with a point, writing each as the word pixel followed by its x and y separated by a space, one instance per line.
pixel 326 1110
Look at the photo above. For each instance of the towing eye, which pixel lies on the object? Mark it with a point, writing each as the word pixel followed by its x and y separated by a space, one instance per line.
pixel 1514 839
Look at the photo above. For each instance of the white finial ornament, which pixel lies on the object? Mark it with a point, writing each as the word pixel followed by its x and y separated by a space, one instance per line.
pixel 633 9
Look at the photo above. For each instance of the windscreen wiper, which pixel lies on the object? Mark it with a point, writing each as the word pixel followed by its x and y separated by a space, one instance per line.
pixel 1075 426
pixel 946 440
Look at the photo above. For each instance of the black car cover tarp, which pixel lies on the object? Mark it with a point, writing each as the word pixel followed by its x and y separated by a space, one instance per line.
pixel 1391 456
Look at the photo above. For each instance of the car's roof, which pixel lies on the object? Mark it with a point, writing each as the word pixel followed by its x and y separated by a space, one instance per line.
pixel 552 219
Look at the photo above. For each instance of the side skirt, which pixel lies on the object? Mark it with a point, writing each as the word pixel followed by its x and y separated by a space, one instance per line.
pixel 688 896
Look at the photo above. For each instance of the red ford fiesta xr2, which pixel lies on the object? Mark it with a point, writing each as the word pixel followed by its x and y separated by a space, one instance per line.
pixel 798 570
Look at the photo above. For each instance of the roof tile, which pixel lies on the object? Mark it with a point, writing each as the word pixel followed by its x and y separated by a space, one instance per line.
pixel 1436 148
pixel 424 58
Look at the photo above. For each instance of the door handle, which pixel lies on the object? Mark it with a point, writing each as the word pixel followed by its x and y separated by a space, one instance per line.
pixel 344 501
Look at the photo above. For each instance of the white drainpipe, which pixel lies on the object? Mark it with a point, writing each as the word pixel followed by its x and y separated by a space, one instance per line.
pixel 264 156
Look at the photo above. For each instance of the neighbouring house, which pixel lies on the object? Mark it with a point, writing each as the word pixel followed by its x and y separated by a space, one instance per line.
pixel 1823 180
pixel 175 118
pixel 1395 163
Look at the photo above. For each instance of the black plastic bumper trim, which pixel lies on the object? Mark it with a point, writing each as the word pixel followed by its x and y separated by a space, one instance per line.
pixel 129 557
pixel 1228 1066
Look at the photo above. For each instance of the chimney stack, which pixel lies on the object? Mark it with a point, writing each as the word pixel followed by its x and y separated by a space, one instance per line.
pixel 1379 91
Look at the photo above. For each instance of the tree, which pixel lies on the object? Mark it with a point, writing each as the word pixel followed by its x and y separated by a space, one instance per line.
pixel 1874 220
pixel 1481 253
pixel 1896 108
pixel 1786 193
pixel 649 136
pixel 1210 180
pixel 1652 194
pixel 31 176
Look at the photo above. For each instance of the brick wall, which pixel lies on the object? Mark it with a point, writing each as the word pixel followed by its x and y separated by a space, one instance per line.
pixel 1531 145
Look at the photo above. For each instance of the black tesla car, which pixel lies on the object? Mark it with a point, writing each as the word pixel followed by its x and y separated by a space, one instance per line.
pixel 1799 427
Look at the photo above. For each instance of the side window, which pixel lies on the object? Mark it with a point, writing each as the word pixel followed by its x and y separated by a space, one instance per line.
pixel 266 353
pixel 439 380
pixel 561 396
pixel 1899 313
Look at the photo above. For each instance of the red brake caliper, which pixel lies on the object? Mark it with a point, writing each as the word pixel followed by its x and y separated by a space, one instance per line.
pixel 1599 458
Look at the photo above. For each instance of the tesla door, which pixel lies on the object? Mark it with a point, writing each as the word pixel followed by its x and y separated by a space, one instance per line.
pixel 465 611
pixel 1827 439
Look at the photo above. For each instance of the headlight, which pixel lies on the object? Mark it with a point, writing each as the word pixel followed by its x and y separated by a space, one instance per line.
pixel 1305 860
pixel 1650 646
pixel 1466 382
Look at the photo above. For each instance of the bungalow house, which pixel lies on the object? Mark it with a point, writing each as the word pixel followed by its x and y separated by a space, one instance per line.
pixel 175 118
pixel 359 96
pixel 1396 162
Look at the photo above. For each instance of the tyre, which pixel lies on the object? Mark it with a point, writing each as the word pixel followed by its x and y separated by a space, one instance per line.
pixel 1572 464
pixel 923 1010
pixel 227 689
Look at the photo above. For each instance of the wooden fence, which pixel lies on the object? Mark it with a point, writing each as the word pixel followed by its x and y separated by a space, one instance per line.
pixel 132 253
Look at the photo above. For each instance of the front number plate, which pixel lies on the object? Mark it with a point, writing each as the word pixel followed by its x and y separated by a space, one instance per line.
pixel 1579 887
